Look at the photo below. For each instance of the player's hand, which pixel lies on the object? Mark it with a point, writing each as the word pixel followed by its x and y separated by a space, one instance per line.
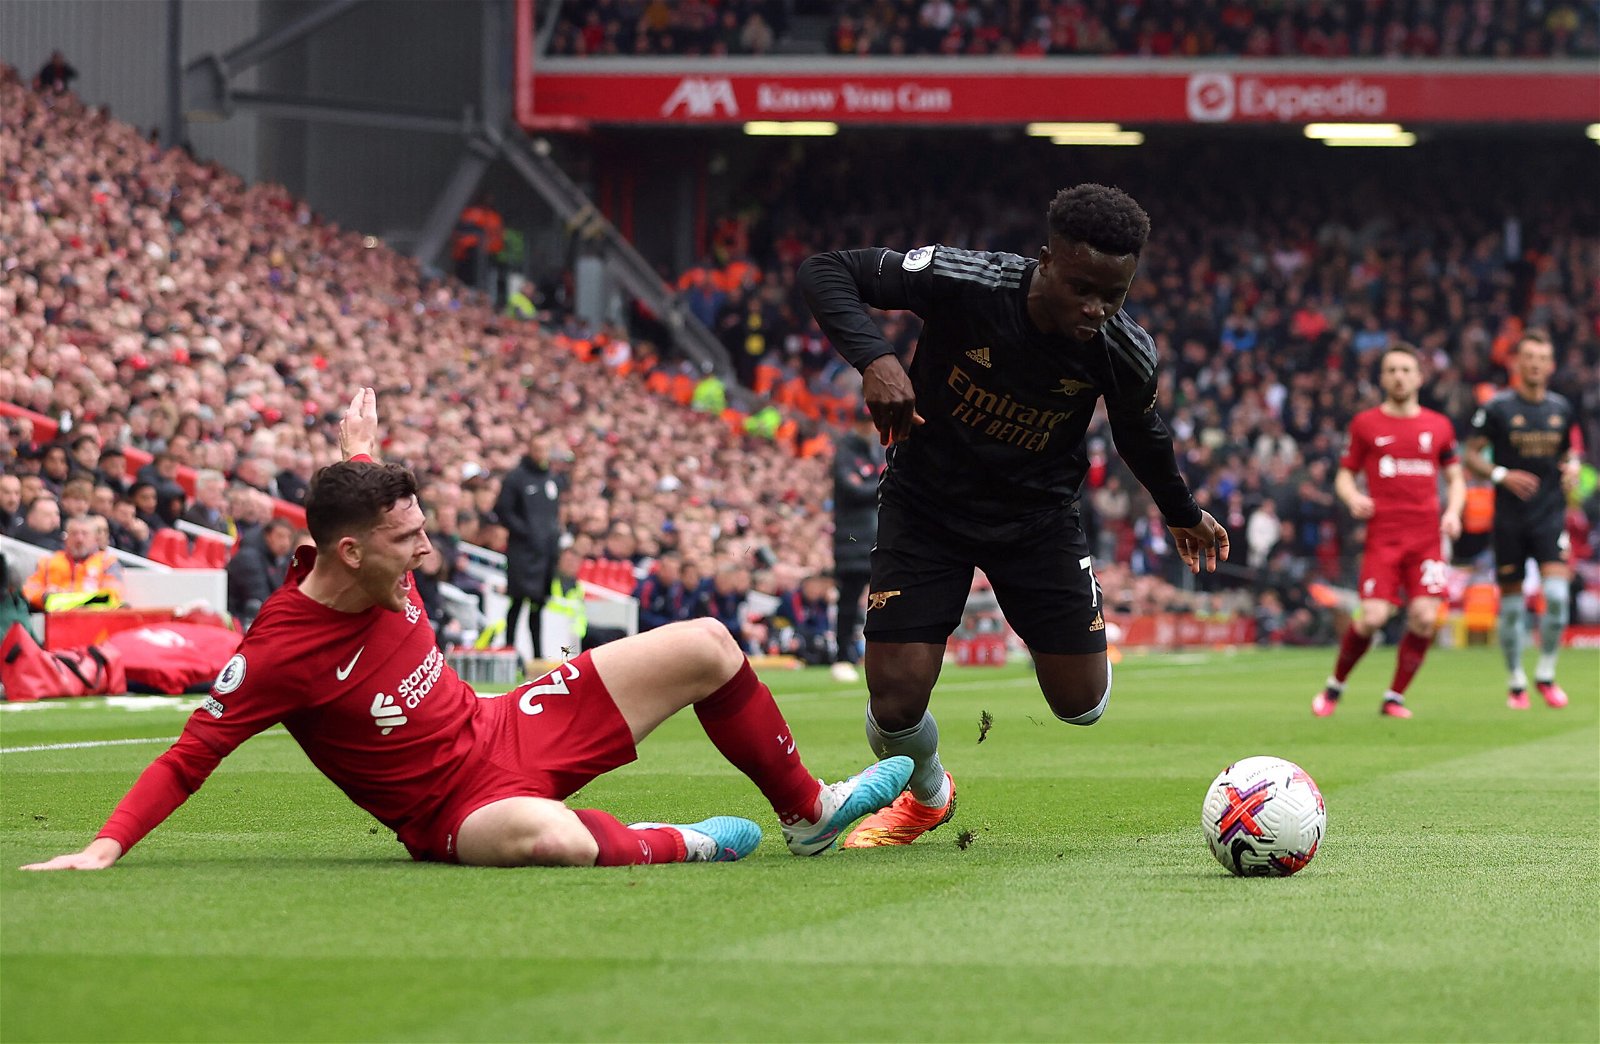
pixel 358 431
pixel 1450 526
pixel 1360 506
pixel 99 854
pixel 1522 484
pixel 892 401
pixel 1206 540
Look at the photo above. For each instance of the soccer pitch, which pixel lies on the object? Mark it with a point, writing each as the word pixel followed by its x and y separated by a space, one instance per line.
pixel 1456 896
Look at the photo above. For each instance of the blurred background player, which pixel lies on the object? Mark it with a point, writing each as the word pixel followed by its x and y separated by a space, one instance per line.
pixel 1400 447
pixel 1528 429
pixel 344 656
pixel 986 438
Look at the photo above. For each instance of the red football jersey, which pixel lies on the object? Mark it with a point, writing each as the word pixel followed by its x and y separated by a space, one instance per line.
pixel 1401 458
pixel 367 695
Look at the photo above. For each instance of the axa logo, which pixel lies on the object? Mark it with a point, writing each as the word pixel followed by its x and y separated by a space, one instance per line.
pixel 387 713
pixel 699 96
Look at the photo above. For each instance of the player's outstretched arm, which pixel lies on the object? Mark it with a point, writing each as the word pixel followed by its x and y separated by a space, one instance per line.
pixel 358 431
pixel 97 855
pixel 1206 541
pixel 164 785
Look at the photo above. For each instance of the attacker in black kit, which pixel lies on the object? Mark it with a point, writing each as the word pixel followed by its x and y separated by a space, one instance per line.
pixel 1535 465
pixel 986 456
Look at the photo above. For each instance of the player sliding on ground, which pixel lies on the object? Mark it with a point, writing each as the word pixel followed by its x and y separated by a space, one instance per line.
pixel 343 655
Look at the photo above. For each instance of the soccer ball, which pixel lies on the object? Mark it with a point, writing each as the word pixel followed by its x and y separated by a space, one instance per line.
pixel 1263 817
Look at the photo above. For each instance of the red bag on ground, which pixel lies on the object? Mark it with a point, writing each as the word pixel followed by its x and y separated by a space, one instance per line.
pixel 173 658
pixel 29 673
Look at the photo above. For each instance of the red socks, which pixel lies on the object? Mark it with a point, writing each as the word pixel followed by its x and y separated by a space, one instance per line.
pixel 623 846
pixel 744 723
pixel 1413 647
pixel 1351 648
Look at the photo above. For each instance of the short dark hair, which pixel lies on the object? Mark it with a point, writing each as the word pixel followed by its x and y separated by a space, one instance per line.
pixel 1404 349
pixel 1537 335
pixel 352 496
pixel 1100 216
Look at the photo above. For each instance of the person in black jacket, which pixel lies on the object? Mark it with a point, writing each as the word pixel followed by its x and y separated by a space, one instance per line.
pixel 857 461
pixel 986 435
pixel 258 569
pixel 530 508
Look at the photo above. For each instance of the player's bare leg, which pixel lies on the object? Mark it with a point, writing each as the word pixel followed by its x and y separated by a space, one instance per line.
pixel 697 663
pixel 900 680
pixel 1076 686
pixel 1555 581
pixel 525 831
pixel 530 831
pixel 1369 618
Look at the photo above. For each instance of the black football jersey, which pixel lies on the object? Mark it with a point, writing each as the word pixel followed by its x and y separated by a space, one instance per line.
pixel 1006 406
pixel 1528 436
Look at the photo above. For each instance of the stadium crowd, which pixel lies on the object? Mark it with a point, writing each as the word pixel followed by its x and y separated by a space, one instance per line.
pixel 1034 28
pixel 1270 296
pixel 154 303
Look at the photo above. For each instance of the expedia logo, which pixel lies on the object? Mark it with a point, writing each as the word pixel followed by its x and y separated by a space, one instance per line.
pixel 879 599
pixel 701 97
pixel 1210 97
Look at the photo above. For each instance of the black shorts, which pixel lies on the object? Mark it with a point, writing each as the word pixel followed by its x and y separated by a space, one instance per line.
pixel 922 574
pixel 1518 538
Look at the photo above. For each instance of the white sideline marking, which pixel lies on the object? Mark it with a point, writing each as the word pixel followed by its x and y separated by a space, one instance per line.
pixel 86 744
pixel 89 744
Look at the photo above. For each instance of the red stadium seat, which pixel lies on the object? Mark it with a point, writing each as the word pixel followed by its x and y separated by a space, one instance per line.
pixel 170 547
pixel 209 554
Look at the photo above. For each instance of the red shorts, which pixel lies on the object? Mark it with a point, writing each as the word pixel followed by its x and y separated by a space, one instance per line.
pixel 1412 562
pixel 546 739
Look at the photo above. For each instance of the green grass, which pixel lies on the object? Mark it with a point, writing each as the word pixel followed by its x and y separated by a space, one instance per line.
pixel 1456 897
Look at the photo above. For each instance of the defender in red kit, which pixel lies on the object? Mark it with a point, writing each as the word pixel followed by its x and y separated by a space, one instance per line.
pixel 1400 448
pixel 344 657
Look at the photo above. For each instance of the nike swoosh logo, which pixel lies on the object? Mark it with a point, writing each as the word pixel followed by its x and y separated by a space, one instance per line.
pixel 1383 441
pixel 344 672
